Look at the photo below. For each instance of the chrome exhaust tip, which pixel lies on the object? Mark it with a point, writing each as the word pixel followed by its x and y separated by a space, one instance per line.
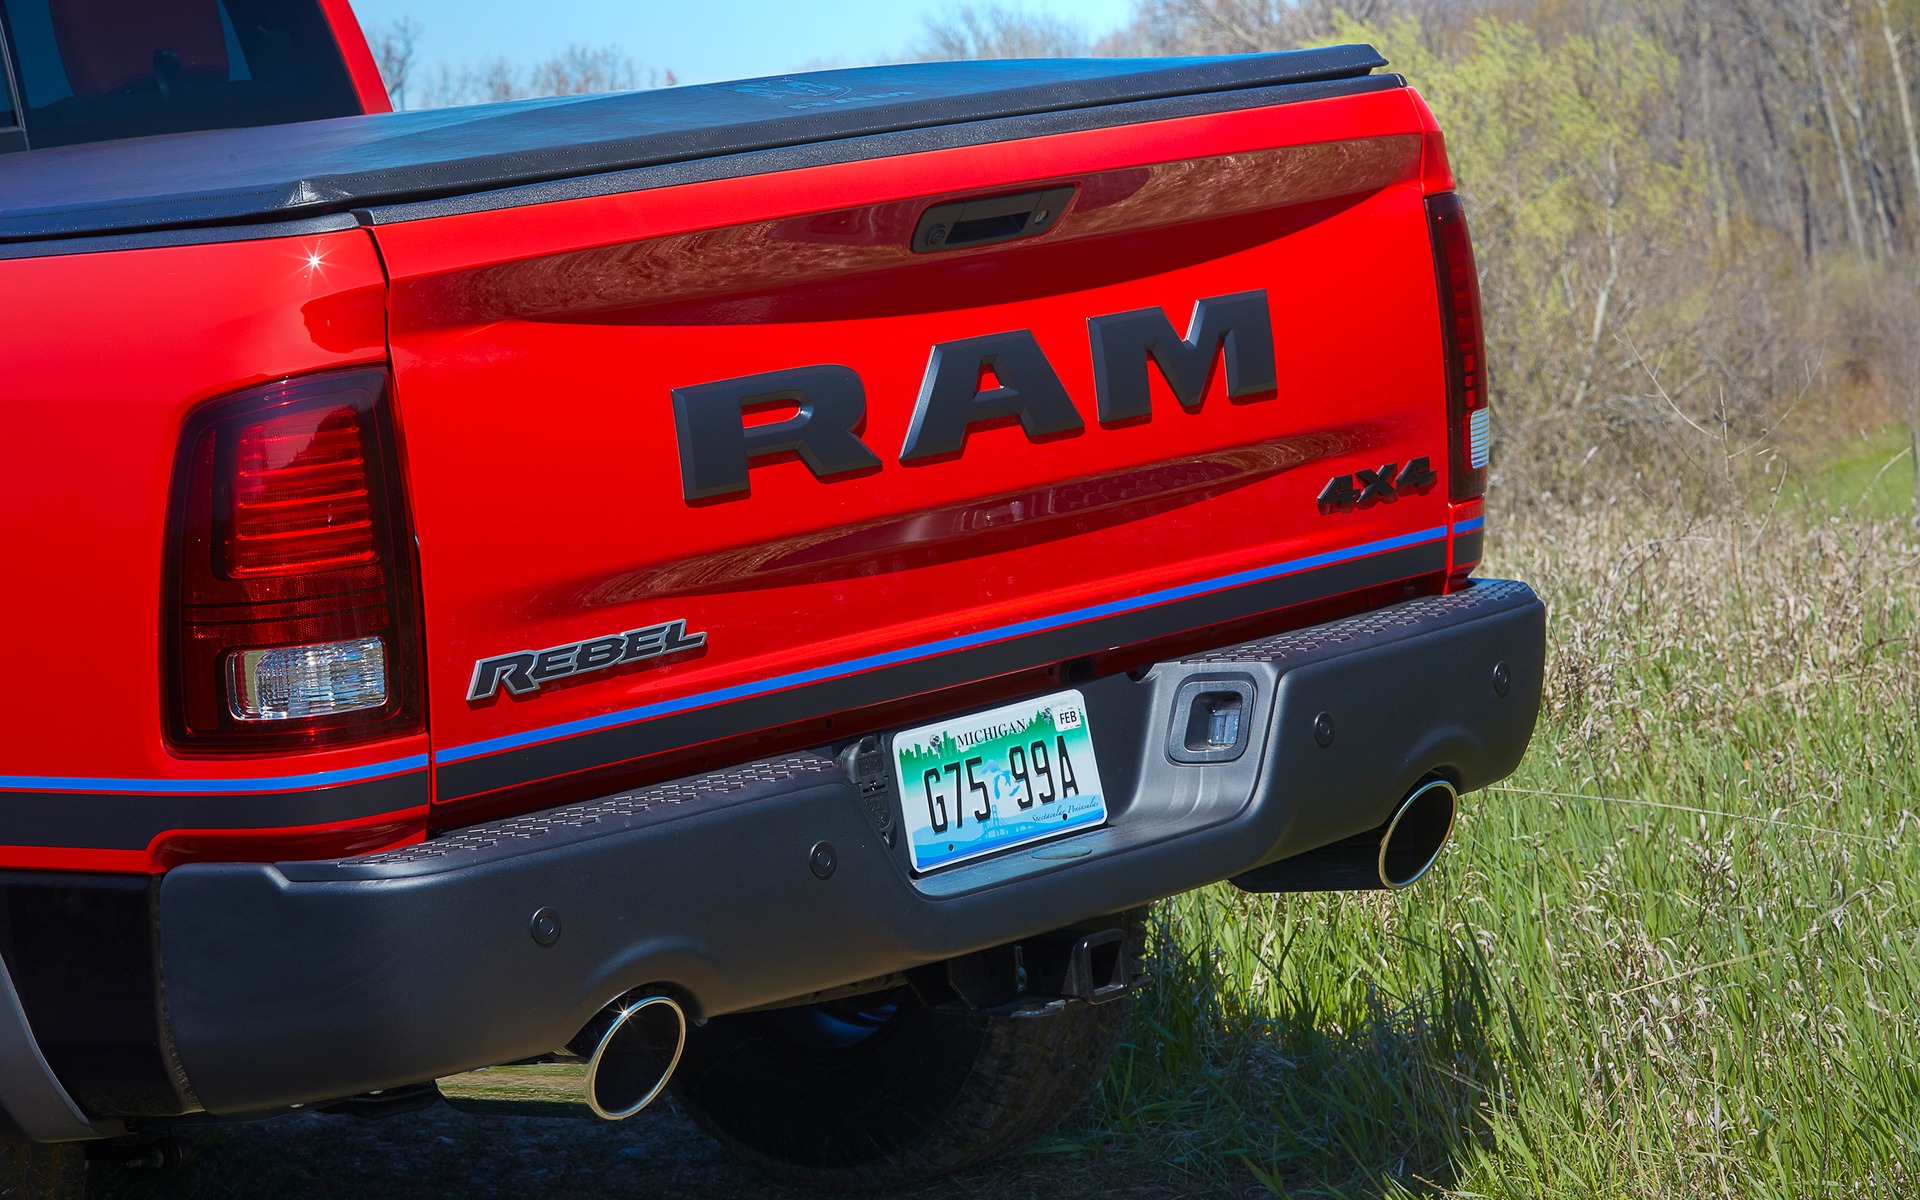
pixel 636 1046
pixel 1416 833
pixel 613 1068
pixel 1393 856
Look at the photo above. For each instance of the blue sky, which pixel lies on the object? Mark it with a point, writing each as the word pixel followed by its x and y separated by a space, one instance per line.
pixel 700 43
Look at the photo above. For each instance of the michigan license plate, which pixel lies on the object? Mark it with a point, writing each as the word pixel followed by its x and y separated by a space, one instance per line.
pixel 994 780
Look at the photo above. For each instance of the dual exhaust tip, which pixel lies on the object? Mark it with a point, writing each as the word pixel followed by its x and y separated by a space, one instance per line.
pixel 1416 834
pixel 612 1069
pixel 631 1047
pixel 1392 857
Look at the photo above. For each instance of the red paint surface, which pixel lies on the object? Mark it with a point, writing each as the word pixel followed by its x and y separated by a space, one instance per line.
pixel 361 67
pixel 105 356
pixel 534 350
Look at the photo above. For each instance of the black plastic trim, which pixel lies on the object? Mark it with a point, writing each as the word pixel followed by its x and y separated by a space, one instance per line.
pixel 885 145
pixel 131 820
pixel 1181 727
pixel 31 1099
pixel 158 239
pixel 989 220
pixel 445 157
pixel 83 955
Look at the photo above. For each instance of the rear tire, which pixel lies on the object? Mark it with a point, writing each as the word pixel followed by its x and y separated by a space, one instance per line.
pixel 881 1090
pixel 38 1171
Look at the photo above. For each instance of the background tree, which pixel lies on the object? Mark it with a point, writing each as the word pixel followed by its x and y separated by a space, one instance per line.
pixel 577 70
pixel 393 50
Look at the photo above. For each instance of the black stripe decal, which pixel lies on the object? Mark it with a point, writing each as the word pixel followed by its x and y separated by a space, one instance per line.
pixel 130 821
pixel 582 752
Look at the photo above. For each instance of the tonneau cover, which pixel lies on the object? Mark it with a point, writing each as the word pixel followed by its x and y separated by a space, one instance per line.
pixel 277 173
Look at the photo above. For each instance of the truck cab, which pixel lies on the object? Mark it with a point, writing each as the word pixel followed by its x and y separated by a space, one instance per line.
pixel 75 71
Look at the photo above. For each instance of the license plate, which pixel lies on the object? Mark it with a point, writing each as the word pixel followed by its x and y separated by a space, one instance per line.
pixel 994 780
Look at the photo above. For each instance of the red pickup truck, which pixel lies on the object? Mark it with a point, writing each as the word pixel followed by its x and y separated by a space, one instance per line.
pixel 747 589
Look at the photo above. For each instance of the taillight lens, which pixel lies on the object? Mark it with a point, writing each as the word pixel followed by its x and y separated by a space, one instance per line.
pixel 292 613
pixel 300 495
pixel 1468 428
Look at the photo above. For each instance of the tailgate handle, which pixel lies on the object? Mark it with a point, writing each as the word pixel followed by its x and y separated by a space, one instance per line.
pixel 984 222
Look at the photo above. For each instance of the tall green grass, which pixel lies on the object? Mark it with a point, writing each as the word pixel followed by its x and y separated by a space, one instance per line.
pixel 1678 954
pixel 1870 475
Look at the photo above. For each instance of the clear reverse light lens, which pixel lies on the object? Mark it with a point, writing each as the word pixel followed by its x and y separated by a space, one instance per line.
pixel 1479 433
pixel 307 681
pixel 1223 723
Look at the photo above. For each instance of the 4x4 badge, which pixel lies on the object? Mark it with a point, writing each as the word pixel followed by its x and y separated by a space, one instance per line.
pixel 1384 485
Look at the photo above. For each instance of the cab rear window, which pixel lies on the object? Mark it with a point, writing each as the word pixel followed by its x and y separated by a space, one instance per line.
pixel 92 70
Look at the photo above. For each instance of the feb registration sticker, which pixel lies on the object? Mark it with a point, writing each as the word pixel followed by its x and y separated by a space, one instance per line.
pixel 994 780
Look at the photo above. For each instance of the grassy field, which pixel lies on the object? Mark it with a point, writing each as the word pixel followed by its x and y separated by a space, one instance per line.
pixel 1868 476
pixel 1677 955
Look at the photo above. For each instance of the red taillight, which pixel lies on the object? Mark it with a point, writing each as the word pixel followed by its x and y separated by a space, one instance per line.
pixel 291 617
pixel 1468 431
pixel 300 497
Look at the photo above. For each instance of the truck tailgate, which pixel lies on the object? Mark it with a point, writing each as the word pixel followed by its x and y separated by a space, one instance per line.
pixel 965 471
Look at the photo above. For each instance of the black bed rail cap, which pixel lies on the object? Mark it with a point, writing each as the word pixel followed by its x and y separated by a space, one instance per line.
pixel 283 172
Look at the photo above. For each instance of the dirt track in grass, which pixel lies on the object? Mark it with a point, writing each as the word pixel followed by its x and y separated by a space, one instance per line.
pixel 446 1153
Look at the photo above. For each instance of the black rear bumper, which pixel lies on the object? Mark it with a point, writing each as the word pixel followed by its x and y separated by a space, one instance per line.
pixel 301 982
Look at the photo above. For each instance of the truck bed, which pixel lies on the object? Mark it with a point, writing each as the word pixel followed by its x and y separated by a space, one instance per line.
pixel 552 283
